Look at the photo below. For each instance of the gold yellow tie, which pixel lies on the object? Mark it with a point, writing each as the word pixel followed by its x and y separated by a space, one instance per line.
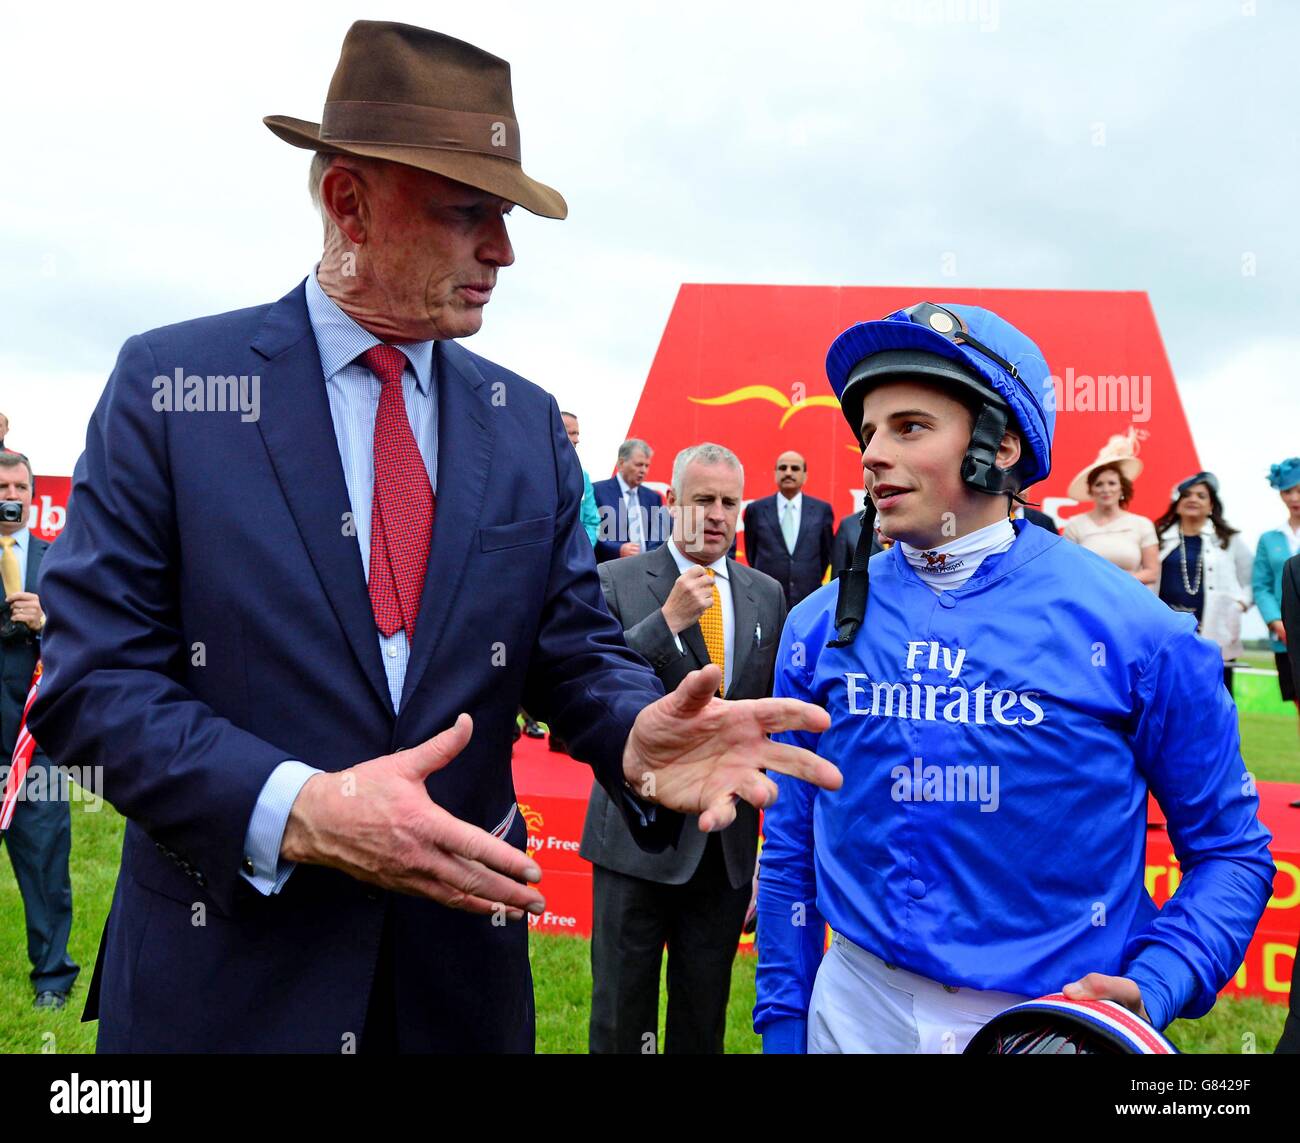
pixel 711 625
pixel 13 578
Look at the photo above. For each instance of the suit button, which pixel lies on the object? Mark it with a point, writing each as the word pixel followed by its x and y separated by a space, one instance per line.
pixel 916 889
pixel 248 866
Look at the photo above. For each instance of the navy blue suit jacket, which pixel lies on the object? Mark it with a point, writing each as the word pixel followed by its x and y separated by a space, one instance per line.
pixel 613 522
pixel 800 574
pixel 209 618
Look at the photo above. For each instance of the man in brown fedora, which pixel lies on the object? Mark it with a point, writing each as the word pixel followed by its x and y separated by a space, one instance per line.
pixel 296 641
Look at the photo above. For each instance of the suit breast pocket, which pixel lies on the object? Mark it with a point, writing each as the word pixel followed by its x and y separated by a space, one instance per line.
pixel 501 536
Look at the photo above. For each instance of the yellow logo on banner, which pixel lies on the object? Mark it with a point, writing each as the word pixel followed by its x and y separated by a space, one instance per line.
pixel 534 822
pixel 774 396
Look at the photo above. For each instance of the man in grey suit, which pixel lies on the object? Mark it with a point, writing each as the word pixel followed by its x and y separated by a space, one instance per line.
pixel 682 606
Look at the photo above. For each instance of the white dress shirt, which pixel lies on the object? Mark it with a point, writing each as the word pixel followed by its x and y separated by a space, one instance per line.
pixel 353 392
pixel 635 513
pixel 794 507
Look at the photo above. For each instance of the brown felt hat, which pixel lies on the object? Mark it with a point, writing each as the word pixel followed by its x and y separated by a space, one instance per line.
pixel 425 100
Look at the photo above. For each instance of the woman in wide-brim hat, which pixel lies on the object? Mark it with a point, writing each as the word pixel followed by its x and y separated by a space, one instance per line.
pixel 1205 568
pixel 1275 548
pixel 1124 538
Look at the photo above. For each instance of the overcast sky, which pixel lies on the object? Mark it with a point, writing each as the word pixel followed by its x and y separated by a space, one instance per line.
pixel 1086 145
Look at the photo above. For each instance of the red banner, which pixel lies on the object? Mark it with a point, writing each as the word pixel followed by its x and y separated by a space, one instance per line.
pixel 744 366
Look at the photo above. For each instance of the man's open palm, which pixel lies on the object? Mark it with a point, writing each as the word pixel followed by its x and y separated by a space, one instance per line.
pixel 695 753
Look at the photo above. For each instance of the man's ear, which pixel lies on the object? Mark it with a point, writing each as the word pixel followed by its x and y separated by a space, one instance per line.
pixel 343 197
pixel 1008 451
pixel 670 497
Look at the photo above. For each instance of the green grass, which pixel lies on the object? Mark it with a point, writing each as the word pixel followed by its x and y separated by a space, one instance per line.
pixel 562 965
pixel 96 847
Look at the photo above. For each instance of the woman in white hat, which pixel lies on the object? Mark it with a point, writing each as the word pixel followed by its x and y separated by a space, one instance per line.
pixel 1124 538
pixel 1205 567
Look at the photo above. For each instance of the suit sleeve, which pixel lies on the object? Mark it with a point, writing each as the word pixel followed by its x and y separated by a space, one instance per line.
pixel 1243 563
pixel 791 932
pixel 590 513
pixel 1266 599
pixel 651 638
pixel 1291 612
pixel 607 526
pixel 582 677
pixel 115 647
pixel 1188 748
pixel 751 537
pixel 827 539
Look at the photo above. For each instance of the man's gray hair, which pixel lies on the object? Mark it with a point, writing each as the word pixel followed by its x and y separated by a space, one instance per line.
pixel 628 447
pixel 704 454
pixel 320 162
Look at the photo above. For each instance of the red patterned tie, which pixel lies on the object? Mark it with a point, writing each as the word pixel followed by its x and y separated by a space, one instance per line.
pixel 401 518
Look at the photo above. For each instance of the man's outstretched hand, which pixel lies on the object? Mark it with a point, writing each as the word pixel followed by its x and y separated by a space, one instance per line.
pixel 376 822
pixel 695 753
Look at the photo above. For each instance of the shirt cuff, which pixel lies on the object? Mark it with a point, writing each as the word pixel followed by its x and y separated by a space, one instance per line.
pixel 1164 980
pixel 264 869
pixel 786 1037
pixel 645 811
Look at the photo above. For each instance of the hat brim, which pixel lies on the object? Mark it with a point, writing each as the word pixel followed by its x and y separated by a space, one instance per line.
pixel 494 174
pixel 899 363
pixel 1130 466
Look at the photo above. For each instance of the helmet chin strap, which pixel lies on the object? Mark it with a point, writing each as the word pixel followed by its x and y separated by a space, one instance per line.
pixel 979 466
pixel 855 583
pixel 978 469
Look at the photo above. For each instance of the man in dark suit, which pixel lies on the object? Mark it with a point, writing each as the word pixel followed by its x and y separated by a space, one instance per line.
pixel 631 515
pixel 1290 1041
pixel 788 535
pixel 846 543
pixel 39 837
pixel 269 622
pixel 1037 518
pixel 681 608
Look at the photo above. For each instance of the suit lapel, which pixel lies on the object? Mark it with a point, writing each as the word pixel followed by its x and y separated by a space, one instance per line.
pixel 35 553
pixel 745 618
pixel 663 574
pixel 805 525
pixel 298 431
pixel 465 444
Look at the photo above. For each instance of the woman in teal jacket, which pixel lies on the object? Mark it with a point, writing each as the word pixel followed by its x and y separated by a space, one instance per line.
pixel 1275 548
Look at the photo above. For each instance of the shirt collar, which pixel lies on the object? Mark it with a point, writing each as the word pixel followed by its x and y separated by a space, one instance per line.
pixel 623 485
pixel 796 500
pixel 20 538
pixel 718 567
pixel 342 340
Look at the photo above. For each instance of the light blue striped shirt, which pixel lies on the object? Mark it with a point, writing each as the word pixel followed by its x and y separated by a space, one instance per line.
pixel 353 392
